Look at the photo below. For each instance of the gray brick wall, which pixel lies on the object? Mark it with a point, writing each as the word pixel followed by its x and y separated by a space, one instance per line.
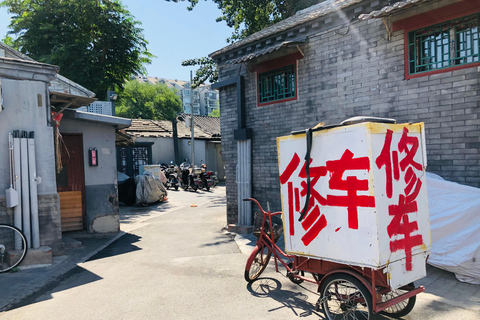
pixel 359 73
pixel 49 219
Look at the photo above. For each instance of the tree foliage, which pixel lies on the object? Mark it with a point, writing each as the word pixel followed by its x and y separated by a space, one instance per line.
pixel 249 16
pixel 215 113
pixel 141 100
pixel 245 17
pixel 96 43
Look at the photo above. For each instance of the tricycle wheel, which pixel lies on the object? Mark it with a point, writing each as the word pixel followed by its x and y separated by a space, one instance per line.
pixel 345 297
pixel 257 262
pixel 402 308
pixel 290 275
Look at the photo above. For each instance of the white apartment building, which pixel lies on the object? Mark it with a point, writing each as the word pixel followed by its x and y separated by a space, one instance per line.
pixel 205 99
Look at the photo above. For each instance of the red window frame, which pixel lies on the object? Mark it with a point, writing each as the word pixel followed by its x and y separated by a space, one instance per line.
pixel 276 64
pixel 450 12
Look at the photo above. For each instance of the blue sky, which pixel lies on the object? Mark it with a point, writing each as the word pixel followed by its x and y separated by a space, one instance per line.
pixel 174 33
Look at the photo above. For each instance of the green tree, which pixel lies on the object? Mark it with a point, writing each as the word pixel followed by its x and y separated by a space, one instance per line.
pixel 96 43
pixel 215 113
pixel 141 100
pixel 245 17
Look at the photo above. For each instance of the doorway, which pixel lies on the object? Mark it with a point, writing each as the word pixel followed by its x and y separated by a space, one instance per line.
pixel 71 183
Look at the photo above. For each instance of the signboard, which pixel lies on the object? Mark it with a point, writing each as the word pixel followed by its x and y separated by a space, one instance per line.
pixel 368 202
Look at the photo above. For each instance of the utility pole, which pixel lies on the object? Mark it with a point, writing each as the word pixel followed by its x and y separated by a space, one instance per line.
pixel 191 118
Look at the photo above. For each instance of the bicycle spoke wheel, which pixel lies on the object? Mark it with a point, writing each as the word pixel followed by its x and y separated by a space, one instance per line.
pixel 13 247
pixel 257 262
pixel 402 308
pixel 345 297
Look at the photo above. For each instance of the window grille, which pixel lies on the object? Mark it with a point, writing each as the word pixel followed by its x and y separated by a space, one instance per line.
pixel 140 158
pixel 444 45
pixel 277 84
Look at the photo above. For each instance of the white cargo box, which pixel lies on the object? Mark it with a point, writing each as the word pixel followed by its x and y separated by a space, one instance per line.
pixel 155 170
pixel 368 202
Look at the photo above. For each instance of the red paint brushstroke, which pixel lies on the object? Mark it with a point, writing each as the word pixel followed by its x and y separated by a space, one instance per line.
pixel 314 231
pixel 291 217
pixel 291 167
pixel 311 218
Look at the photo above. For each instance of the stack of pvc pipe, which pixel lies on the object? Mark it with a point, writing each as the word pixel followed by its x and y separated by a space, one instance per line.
pixel 25 184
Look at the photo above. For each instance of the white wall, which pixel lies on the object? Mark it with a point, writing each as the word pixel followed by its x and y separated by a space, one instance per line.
pixel 22 112
pixel 162 149
pixel 186 151
pixel 98 136
pixel 205 152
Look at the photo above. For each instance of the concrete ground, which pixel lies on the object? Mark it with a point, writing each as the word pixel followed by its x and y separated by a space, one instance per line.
pixel 445 297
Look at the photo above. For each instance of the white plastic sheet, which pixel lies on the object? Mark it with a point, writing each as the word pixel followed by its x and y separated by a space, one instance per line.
pixel 149 189
pixel 455 226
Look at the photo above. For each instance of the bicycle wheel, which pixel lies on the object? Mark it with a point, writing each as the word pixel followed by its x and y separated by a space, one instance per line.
pixel 13 247
pixel 402 308
pixel 257 262
pixel 345 297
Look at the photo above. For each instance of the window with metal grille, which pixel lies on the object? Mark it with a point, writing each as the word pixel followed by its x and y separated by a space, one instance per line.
pixel 277 84
pixel 140 158
pixel 448 44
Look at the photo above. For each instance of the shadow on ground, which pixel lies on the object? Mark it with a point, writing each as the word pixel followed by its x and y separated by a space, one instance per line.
pixel 78 277
pixel 220 239
pixel 120 246
pixel 295 301
pixel 129 214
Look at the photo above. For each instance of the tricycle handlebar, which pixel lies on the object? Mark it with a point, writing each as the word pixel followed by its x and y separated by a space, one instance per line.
pixel 256 202
pixel 260 207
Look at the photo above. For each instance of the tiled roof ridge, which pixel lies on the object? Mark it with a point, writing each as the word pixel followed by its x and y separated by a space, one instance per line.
pixel 302 16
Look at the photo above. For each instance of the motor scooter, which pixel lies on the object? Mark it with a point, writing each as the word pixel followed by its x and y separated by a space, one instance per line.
pixel 187 179
pixel 207 181
pixel 171 173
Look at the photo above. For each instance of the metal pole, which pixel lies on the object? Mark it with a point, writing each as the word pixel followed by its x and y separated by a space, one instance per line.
pixel 191 118
pixel 110 93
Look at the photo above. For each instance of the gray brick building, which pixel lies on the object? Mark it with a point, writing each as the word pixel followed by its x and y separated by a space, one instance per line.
pixel 412 60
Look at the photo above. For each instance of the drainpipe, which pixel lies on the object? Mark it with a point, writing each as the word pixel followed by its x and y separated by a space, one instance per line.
pixel 25 187
pixel 175 141
pixel 243 136
pixel 32 172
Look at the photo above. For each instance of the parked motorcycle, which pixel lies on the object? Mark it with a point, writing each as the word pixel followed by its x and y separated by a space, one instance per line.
pixel 188 179
pixel 197 178
pixel 171 173
pixel 213 177
pixel 207 181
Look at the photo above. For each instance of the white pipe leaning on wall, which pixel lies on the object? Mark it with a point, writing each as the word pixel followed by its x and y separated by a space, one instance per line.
pixel 32 173
pixel 25 188
pixel 17 210
pixel 17 185
pixel 244 185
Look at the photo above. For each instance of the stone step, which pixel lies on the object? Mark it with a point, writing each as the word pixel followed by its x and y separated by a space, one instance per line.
pixel 40 257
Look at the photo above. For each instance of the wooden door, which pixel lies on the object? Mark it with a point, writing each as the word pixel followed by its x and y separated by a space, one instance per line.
pixel 71 184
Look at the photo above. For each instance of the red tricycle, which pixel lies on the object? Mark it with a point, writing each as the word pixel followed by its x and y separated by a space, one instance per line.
pixel 346 291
